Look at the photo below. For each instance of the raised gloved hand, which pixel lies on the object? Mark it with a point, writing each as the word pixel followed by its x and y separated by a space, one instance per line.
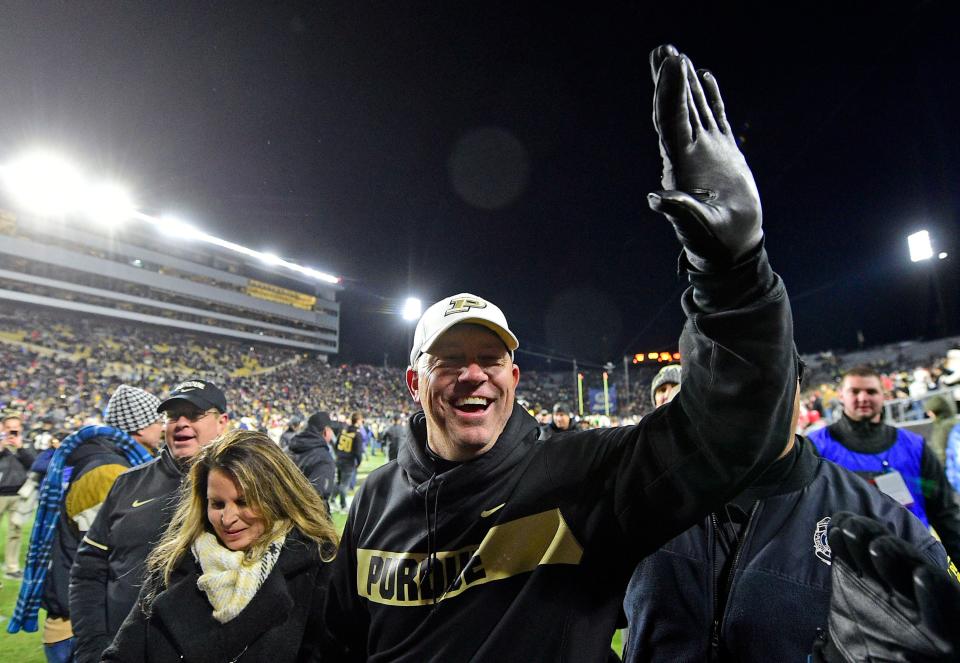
pixel 708 190
pixel 888 602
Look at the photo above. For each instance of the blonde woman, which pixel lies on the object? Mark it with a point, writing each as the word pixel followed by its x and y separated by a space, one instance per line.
pixel 241 573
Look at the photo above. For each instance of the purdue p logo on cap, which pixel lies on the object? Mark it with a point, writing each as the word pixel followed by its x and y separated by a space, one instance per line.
pixel 463 308
pixel 464 304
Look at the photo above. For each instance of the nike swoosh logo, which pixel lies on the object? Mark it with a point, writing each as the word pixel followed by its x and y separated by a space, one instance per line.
pixel 490 512
pixel 137 503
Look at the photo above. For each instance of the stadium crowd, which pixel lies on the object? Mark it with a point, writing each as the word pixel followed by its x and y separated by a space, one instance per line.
pixel 166 534
pixel 62 368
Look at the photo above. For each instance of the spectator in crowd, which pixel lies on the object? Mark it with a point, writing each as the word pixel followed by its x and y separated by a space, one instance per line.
pixel 953 457
pixel 480 530
pixel 394 436
pixel 665 385
pixel 82 471
pixel 755 552
pixel 561 422
pixel 241 573
pixel 943 410
pixel 350 446
pixel 897 461
pixel 15 462
pixel 310 450
pixel 108 568
pixel 293 427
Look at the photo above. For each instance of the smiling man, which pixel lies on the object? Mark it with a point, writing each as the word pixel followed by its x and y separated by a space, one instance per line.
pixel 484 543
pixel 897 461
pixel 108 569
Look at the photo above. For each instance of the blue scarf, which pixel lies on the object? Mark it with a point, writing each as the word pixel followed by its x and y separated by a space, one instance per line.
pixel 48 514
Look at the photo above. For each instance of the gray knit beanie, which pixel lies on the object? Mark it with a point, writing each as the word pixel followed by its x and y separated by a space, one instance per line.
pixel 668 374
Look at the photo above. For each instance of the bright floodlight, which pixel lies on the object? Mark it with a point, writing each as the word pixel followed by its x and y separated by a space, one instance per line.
pixel 271 259
pixel 943 255
pixel 412 309
pixel 108 204
pixel 176 229
pixel 920 246
pixel 44 183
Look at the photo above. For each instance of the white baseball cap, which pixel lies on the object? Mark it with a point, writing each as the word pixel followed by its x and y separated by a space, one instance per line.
pixel 456 310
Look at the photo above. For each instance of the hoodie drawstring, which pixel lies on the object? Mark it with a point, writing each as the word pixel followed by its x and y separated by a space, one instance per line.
pixel 432 535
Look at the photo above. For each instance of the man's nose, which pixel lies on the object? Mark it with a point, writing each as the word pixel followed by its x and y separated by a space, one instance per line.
pixel 472 372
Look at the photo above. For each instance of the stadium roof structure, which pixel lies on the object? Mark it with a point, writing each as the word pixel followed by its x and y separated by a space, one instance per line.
pixel 166 273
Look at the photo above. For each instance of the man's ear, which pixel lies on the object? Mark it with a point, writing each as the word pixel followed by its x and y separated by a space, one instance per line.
pixel 413 385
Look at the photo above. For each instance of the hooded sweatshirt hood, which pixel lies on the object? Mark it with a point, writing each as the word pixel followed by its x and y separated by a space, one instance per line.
pixel 419 466
pixel 308 439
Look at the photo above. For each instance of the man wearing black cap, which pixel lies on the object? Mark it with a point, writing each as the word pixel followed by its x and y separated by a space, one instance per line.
pixel 311 451
pixel 560 423
pixel 107 572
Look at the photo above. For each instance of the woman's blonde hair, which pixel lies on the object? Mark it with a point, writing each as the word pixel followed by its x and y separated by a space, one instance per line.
pixel 270 483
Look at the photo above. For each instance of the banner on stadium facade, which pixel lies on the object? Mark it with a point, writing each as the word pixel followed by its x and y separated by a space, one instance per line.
pixel 596 400
pixel 274 293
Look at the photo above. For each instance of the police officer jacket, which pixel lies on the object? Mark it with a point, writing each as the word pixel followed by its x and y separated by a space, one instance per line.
pixel 775 592
pixel 108 569
pixel 523 553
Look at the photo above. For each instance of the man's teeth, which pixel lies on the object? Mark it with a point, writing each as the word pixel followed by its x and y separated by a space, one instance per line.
pixel 471 400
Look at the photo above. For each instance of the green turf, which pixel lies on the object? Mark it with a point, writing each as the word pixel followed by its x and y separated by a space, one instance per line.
pixel 27 647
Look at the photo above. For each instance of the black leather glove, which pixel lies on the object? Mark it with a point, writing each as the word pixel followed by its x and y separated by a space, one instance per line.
pixel 888 602
pixel 708 190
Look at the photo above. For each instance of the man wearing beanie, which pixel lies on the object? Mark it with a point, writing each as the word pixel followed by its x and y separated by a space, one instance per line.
pixel 665 385
pixel 107 573
pixel 561 422
pixel 310 450
pixel 88 463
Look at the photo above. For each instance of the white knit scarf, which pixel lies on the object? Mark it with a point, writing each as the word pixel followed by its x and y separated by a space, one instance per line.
pixel 229 579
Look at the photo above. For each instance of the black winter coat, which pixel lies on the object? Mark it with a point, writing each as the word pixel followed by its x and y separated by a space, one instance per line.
pixel 14 465
pixel 108 568
pixel 312 455
pixel 283 622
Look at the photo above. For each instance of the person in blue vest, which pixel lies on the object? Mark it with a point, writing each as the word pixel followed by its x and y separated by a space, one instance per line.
pixel 899 462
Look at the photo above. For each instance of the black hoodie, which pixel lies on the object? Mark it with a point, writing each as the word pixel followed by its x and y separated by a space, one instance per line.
pixel 312 455
pixel 524 553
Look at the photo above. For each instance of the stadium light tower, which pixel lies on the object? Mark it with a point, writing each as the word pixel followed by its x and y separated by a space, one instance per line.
pixel 108 204
pixel 412 308
pixel 921 248
pixel 44 183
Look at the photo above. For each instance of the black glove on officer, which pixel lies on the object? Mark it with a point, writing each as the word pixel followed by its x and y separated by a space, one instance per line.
pixel 708 190
pixel 888 602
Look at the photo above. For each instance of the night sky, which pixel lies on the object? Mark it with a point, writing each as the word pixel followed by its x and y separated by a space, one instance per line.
pixel 506 149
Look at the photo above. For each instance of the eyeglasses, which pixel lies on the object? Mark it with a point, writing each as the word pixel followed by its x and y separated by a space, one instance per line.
pixel 192 416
